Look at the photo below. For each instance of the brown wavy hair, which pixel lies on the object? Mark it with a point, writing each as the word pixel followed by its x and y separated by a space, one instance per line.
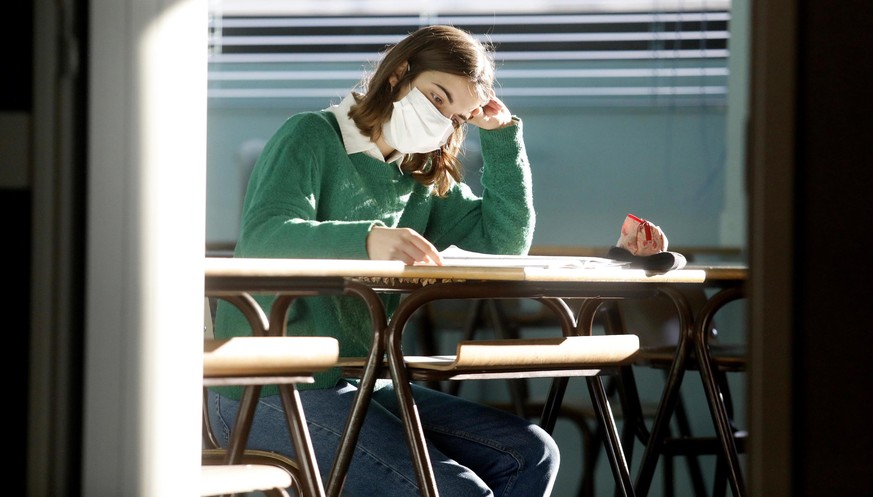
pixel 432 48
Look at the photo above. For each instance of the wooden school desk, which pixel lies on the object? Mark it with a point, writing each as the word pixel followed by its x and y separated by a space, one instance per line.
pixel 523 278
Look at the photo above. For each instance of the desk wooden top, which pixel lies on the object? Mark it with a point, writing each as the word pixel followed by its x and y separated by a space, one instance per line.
pixel 723 272
pixel 370 269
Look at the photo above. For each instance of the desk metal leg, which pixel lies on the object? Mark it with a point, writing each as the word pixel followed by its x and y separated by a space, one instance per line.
pixel 717 408
pixel 670 396
pixel 406 403
pixel 412 424
pixel 569 326
pixel 349 440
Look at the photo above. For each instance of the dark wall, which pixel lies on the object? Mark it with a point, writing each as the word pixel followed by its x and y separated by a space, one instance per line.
pixel 16 95
pixel 833 239
pixel 16 85
pixel 15 250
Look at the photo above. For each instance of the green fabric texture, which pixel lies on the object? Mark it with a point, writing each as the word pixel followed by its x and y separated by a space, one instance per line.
pixel 307 198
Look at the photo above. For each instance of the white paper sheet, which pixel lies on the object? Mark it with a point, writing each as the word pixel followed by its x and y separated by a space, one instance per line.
pixel 454 256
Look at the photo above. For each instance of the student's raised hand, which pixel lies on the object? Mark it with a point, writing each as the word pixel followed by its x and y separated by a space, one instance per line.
pixel 492 115
pixel 401 244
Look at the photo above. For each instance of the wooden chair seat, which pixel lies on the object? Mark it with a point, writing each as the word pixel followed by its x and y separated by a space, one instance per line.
pixel 526 358
pixel 519 358
pixel 227 479
pixel 246 357
pixel 216 456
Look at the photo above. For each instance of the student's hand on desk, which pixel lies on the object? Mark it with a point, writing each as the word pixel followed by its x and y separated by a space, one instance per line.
pixel 401 244
pixel 492 115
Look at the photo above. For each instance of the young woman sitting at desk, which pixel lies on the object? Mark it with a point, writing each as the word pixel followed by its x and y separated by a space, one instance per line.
pixel 378 176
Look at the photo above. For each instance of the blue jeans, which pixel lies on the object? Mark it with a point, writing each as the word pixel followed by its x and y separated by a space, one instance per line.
pixel 475 450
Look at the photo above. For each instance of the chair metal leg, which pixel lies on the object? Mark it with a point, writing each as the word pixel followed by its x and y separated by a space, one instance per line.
pixel 586 486
pixel 414 433
pixel 719 487
pixel 611 439
pixel 694 471
pixel 723 425
pixel 669 474
pixel 633 420
pixel 310 477
pixel 552 405
pixel 346 448
pixel 243 424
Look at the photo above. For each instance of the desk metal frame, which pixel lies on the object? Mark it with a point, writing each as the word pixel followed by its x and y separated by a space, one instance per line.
pixel 553 295
pixel 695 337
pixel 232 278
pixel 237 290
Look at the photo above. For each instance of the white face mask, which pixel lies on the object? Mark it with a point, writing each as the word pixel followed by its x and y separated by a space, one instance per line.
pixel 416 126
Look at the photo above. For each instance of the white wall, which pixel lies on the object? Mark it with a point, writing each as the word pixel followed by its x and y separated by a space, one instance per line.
pixel 144 285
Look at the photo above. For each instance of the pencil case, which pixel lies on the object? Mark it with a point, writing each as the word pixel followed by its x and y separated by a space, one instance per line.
pixel 644 246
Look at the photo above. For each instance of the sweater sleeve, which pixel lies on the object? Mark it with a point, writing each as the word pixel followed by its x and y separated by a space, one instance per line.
pixel 502 220
pixel 302 163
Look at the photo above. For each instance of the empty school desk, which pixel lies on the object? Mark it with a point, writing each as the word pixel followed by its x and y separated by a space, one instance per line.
pixel 421 284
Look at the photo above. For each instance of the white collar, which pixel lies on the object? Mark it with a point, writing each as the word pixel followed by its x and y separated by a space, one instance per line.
pixel 354 140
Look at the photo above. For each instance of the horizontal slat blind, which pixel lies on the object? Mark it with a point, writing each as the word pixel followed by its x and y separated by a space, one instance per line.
pixel 566 59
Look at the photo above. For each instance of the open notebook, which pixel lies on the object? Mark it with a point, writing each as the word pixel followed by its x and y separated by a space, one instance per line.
pixel 454 256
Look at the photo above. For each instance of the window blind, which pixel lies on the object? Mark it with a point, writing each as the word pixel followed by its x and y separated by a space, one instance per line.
pixel 558 59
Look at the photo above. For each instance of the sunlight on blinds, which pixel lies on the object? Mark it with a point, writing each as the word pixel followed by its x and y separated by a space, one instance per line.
pixel 580 53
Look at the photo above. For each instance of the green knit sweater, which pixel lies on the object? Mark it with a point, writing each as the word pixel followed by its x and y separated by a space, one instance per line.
pixel 307 198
